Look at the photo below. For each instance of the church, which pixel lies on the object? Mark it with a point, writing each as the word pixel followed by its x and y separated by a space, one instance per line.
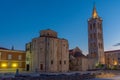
pixel 95 39
pixel 47 53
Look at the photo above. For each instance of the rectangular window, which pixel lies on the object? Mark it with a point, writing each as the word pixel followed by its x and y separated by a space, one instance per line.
pixel 60 62
pixel 9 56
pixel 64 62
pixel 51 61
pixel 90 26
pixel 41 66
pixel 19 57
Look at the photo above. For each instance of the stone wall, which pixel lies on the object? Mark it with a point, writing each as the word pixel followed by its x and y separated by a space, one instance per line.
pixel 76 76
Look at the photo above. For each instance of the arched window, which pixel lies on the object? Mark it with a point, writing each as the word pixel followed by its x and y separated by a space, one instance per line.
pixel 94 25
pixel 94 35
pixel 90 26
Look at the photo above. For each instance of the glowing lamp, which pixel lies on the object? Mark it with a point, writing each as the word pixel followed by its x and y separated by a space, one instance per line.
pixel 3 65
pixel 115 63
pixel 14 65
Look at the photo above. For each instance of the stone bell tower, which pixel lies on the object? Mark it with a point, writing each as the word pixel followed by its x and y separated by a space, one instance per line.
pixel 95 38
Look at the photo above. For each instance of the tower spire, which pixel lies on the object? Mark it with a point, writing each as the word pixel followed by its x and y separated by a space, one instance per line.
pixel 94 13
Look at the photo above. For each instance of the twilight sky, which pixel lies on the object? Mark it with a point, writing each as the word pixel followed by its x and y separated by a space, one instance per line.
pixel 21 20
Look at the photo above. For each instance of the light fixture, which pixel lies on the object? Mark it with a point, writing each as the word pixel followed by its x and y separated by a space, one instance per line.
pixel 4 65
pixel 14 65
pixel 115 62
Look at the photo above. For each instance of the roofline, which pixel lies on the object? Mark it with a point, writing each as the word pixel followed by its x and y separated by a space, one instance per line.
pixel 13 51
pixel 111 51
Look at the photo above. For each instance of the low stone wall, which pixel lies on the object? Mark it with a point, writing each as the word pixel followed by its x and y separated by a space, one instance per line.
pixel 105 75
pixel 54 77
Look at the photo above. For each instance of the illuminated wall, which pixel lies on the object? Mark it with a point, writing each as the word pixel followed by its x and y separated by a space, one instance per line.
pixel 12 60
pixel 112 58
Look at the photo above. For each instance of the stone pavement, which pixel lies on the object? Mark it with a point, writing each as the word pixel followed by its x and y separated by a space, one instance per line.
pixel 113 78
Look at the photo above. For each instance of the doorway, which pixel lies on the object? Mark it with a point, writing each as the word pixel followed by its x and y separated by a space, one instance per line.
pixel 28 67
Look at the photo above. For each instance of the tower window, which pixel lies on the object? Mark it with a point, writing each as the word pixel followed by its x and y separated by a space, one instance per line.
pixel 94 45
pixel 99 45
pixel 94 35
pixel 101 36
pixel 91 36
pixel 98 35
pixel 90 26
pixel 94 25
pixel 100 26
pixel 91 44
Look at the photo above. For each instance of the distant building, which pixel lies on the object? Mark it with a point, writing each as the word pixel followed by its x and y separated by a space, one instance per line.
pixel 48 53
pixel 95 39
pixel 10 60
pixel 78 61
pixel 28 56
pixel 112 59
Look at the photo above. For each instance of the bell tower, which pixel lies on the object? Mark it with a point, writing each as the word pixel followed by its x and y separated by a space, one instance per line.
pixel 95 38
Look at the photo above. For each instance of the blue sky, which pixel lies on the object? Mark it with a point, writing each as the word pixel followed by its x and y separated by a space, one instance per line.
pixel 21 20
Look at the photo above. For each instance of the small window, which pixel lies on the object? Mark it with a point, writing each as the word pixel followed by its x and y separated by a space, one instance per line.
pixel 94 45
pixel 64 62
pixel 19 57
pixel 90 35
pixel 9 56
pixel 41 66
pixel 41 48
pixel 51 61
pixel 94 25
pixel 90 26
pixel 60 62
